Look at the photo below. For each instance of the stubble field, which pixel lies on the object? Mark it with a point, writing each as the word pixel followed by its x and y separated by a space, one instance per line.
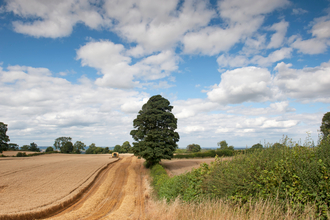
pixel 34 186
pixel 61 186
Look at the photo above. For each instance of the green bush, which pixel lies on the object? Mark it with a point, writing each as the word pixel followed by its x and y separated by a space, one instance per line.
pixel 210 153
pixel 286 172
pixel 21 154
pixel 300 174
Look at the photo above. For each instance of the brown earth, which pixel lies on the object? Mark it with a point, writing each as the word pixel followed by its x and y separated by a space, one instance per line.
pixel 179 166
pixel 32 187
pixel 117 194
pixel 13 153
pixel 79 186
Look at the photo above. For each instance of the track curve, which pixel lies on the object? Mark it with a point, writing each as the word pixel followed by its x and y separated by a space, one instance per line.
pixel 118 193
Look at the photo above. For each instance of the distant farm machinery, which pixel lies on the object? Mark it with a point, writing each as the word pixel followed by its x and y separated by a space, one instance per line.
pixel 115 155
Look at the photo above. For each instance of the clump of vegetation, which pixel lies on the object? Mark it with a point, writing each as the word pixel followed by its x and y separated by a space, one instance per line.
pixel 32 147
pixel 285 172
pixel 125 148
pixel 193 148
pixel 209 153
pixel 21 154
pixel 92 149
pixel 65 145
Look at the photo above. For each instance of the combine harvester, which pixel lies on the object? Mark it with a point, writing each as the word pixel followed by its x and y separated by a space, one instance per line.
pixel 115 155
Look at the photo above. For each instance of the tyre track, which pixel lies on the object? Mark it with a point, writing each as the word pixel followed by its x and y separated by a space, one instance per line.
pixel 117 194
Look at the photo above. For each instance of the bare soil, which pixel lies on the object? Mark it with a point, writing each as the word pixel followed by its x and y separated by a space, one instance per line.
pixel 117 194
pixel 35 186
pixel 176 167
pixel 14 153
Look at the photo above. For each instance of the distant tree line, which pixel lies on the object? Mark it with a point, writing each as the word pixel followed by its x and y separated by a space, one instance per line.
pixel 125 148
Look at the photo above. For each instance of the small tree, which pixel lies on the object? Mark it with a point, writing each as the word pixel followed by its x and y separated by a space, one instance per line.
pixel 223 145
pixel 105 150
pixel 25 147
pixel 78 146
pixel 3 137
pixel 193 148
pixel 12 146
pixel 117 148
pixel 63 143
pixel 49 149
pixel 155 131
pixel 257 146
pixel 325 126
pixel 34 147
pixel 126 147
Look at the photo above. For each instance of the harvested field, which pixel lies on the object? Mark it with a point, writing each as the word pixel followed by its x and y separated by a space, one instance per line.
pixel 13 153
pixel 117 194
pixel 179 166
pixel 36 186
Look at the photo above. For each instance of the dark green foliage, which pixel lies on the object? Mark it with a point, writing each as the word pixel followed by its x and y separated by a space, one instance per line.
pixel 21 154
pixel 67 147
pixel 25 148
pixel 64 144
pixel 12 146
pixel 49 149
pixel 78 146
pixel 92 149
pixel 154 131
pixel 193 148
pixel 257 146
pixel 210 153
pixel 3 137
pixel 126 147
pixel 325 126
pixel 224 146
pixel 34 147
pixel 286 172
pixel 117 148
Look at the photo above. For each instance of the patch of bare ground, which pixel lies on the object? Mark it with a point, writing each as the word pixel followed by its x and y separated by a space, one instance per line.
pixel 34 187
pixel 13 153
pixel 176 167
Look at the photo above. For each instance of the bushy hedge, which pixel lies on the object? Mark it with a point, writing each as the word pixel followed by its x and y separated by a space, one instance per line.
pixel 288 173
pixel 210 153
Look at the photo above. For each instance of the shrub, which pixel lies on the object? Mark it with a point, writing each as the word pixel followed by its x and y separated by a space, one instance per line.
pixel 210 153
pixel 21 154
pixel 49 149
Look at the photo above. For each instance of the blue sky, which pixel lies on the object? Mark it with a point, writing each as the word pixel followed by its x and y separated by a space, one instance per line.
pixel 244 71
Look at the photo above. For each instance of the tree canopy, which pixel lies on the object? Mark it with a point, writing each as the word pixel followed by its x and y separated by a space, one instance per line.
pixel 78 146
pixel 3 137
pixel 193 148
pixel 155 131
pixel 325 126
pixel 224 145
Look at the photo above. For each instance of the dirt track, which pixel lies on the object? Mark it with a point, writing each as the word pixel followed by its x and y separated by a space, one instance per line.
pixel 118 193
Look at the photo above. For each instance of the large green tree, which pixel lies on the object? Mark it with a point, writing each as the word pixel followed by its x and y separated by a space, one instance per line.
pixel 325 126
pixel 64 144
pixel 155 131
pixel 193 148
pixel 3 137
pixel 34 147
pixel 126 147
pixel 78 146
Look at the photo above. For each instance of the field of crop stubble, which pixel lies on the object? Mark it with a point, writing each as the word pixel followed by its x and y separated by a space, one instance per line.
pixel 33 187
pixel 60 186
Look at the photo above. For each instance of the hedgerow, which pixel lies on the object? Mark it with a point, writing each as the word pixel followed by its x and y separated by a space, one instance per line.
pixel 210 153
pixel 286 172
